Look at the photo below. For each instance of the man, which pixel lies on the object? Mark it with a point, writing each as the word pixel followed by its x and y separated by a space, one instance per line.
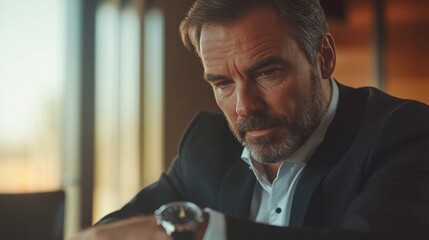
pixel 314 159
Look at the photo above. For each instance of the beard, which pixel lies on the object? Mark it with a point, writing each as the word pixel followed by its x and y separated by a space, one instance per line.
pixel 277 147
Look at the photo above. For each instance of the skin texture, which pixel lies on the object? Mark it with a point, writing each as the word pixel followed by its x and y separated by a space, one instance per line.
pixel 272 97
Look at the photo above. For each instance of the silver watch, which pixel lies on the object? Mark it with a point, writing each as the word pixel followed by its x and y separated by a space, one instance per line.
pixel 179 219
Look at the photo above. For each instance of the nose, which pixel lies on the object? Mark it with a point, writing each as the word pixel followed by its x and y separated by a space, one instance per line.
pixel 249 100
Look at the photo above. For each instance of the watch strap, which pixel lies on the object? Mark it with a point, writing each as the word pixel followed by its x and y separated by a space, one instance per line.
pixel 185 235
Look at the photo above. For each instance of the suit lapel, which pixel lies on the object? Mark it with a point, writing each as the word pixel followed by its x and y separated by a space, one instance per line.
pixel 235 181
pixel 236 191
pixel 337 140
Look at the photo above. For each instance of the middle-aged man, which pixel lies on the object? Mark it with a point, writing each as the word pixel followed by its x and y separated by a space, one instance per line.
pixel 308 158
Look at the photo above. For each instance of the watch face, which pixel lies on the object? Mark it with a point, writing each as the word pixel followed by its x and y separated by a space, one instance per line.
pixel 179 214
pixel 179 217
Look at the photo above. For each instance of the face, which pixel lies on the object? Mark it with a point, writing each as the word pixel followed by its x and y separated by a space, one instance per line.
pixel 271 96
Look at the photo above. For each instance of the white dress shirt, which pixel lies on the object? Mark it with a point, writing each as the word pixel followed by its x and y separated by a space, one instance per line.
pixel 271 202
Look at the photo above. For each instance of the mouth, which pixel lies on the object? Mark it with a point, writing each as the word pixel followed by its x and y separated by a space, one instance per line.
pixel 260 128
pixel 261 132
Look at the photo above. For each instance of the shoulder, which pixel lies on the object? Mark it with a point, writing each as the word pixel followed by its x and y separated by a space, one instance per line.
pixel 390 126
pixel 205 122
pixel 208 135
pixel 379 122
pixel 377 107
pixel 382 109
pixel 206 128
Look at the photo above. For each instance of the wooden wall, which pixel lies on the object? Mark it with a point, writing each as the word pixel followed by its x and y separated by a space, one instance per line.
pixel 405 47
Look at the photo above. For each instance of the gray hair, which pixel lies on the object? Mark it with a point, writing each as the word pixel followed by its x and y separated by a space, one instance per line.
pixel 306 17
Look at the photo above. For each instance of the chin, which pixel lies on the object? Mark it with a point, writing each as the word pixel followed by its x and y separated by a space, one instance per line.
pixel 270 154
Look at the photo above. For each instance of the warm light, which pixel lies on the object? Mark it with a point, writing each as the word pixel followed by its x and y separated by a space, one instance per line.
pixel 117 163
pixel 31 79
pixel 153 128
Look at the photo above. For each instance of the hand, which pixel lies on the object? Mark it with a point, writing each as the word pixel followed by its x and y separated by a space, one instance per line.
pixel 141 228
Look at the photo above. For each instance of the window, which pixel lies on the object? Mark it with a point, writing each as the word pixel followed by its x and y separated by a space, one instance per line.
pixel 117 119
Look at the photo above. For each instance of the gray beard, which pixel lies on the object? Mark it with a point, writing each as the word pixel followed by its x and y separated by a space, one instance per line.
pixel 274 149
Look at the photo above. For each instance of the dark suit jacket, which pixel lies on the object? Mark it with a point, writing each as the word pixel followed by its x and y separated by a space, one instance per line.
pixel 369 178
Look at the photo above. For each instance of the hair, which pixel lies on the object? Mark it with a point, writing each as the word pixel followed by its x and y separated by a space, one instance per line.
pixel 306 17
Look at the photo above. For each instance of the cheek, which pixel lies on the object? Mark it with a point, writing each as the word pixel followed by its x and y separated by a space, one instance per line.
pixel 286 100
pixel 286 105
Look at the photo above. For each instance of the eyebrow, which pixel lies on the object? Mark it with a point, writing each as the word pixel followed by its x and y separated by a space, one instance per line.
pixel 213 77
pixel 272 60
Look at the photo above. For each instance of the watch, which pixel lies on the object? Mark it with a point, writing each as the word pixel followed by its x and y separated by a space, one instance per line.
pixel 179 219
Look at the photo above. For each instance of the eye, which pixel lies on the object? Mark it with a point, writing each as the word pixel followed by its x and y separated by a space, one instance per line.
pixel 222 84
pixel 269 73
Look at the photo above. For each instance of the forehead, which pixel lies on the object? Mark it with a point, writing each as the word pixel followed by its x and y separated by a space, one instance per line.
pixel 258 34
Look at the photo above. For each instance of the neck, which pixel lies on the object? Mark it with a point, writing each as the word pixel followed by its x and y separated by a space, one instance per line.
pixel 271 170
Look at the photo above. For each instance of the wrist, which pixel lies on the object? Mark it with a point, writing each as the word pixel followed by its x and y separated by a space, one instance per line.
pixel 199 233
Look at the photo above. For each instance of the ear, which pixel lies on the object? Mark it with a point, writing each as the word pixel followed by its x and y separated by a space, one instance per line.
pixel 327 56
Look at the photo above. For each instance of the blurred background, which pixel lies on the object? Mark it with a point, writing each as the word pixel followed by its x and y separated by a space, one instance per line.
pixel 94 94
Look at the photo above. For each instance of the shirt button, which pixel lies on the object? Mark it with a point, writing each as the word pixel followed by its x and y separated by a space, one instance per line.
pixel 278 210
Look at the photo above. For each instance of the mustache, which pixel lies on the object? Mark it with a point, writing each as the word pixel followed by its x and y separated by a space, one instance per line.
pixel 259 122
